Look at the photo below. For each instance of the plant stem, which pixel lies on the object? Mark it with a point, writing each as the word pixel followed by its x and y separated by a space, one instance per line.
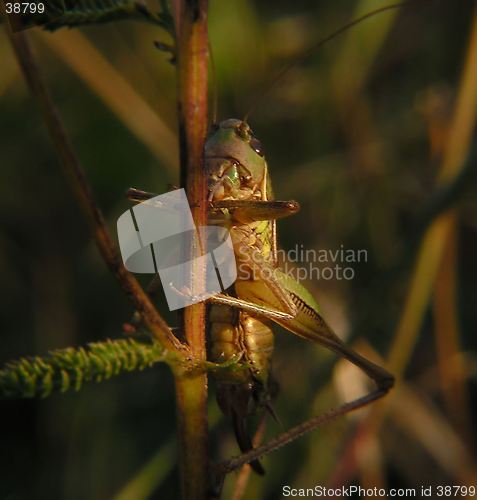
pixel 191 390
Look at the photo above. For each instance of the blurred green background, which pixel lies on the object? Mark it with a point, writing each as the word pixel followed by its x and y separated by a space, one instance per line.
pixel 364 134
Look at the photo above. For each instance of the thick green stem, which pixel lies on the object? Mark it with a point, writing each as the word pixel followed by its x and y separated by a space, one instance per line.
pixel 191 390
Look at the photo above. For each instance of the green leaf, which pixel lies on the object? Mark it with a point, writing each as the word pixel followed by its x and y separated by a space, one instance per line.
pixel 65 369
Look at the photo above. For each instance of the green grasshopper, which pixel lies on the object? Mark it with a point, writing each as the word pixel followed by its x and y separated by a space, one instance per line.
pixel 241 199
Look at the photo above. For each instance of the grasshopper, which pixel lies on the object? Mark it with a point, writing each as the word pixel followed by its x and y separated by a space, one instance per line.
pixel 241 199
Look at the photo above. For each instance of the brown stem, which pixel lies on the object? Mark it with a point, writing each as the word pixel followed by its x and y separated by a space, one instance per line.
pixel 74 170
pixel 191 390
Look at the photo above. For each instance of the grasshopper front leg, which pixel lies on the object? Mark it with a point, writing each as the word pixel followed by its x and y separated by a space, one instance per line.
pixel 248 211
pixel 243 211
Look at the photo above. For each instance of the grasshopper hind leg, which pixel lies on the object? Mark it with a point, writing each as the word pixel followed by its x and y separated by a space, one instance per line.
pixel 306 323
pixel 299 430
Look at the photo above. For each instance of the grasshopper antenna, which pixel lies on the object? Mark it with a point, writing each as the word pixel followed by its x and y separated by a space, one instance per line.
pixel 304 55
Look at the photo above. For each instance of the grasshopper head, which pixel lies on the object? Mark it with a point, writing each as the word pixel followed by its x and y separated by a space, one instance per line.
pixel 236 167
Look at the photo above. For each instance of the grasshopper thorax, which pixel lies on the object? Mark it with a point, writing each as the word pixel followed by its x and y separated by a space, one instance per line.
pixel 236 167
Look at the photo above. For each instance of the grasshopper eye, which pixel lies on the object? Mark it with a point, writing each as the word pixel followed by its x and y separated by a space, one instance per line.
pixel 243 131
pixel 256 145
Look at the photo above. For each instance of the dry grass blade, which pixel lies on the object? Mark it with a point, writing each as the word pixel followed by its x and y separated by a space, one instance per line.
pixel 420 290
pixel 431 429
pixel 435 108
pixel 447 334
